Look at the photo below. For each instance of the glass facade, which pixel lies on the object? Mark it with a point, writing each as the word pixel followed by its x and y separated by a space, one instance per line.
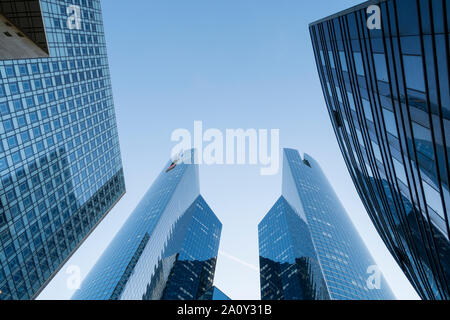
pixel 309 248
pixel 167 249
pixel 215 294
pixel 387 92
pixel 60 166
pixel 289 268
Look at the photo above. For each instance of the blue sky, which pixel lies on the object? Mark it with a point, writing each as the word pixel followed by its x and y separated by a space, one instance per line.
pixel 231 64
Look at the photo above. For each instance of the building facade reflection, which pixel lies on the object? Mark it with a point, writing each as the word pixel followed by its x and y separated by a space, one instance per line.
pixel 166 250
pixel 387 93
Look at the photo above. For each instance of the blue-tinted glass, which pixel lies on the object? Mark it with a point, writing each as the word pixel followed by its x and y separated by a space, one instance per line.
pixel 343 61
pixel 14 88
pixel 10 71
pixel 167 249
pixel 3 164
pixel 4 108
pixel 358 63
pixel 23 70
pixel 389 120
pixel 286 249
pixel 26 86
pixel 408 205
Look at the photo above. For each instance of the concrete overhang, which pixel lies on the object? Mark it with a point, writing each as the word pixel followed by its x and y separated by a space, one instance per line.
pixel 22 31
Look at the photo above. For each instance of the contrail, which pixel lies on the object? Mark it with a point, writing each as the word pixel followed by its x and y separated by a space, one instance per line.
pixel 246 264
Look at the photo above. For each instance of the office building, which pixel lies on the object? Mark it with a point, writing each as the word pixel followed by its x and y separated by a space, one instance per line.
pixel 309 247
pixel 384 71
pixel 166 250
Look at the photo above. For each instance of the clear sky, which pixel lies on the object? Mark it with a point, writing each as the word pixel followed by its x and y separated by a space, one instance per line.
pixel 231 64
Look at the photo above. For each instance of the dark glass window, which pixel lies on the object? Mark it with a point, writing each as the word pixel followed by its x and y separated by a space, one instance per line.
pixel 359 64
pixel 343 61
pixel 380 66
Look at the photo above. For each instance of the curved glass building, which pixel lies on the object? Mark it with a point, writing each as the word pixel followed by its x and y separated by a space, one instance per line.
pixel 167 249
pixel 309 248
pixel 60 165
pixel 384 69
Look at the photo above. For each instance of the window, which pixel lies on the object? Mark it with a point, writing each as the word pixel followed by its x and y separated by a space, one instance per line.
pixel 360 137
pixel 38 84
pixel 421 133
pixel 414 72
pixel 23 70
pixel 17 105
pixel 338 91
pixel 4 109
pixel 16 157
pixel 12 142
pixel 25 136
pixel 322 58
pixel 48 82
pixel 359 63
pixel 45 67
pixel 400 171
pixel 22 121
pixel 380 66
pixel 377 152
pixel 343 61
pixel 35 68
pixel 351 101
pixel 3 164
pixel 8 125
pixel 14 88
pixel 2 91
pixel 423 140
pixel 330 55
pixel 330 93
pixel 26 86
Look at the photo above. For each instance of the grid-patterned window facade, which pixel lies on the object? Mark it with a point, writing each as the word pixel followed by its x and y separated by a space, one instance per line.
pixel 60 166
pixel 387 92
pixel 346 263
pixel 26 15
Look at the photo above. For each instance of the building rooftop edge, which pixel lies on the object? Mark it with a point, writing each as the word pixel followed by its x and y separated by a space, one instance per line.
pixel 347 11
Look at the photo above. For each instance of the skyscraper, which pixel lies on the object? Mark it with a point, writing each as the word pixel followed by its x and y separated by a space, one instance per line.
pixel 167 249
pixel 384 72
pixel 309 248
pixel 60 166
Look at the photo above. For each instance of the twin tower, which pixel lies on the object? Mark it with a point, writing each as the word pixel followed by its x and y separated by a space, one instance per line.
pixel 167 249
